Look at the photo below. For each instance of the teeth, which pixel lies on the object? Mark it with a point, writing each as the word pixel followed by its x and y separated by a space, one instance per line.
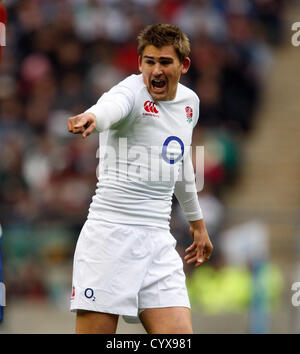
pixel 158 83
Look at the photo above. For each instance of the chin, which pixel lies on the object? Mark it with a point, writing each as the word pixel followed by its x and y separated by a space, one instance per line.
pixel 159 96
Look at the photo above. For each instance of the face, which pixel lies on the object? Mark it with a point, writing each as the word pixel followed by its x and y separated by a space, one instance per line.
pixel 161 70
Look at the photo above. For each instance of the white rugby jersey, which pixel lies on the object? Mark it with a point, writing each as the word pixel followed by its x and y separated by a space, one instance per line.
pixel 144 155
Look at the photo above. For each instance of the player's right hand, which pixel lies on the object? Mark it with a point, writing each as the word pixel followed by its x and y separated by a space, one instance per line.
pixel 84 124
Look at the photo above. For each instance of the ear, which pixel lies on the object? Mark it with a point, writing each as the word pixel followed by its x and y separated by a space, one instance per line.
pixel 140 63
pixel 185 65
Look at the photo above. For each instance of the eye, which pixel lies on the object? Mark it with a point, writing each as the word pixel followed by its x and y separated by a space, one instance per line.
pixel 165 62
pixel 150 62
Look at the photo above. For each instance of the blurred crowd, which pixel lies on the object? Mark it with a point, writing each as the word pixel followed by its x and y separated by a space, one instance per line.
pixel 61 55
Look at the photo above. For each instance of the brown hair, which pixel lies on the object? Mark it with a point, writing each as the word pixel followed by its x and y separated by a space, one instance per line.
pixel 160 35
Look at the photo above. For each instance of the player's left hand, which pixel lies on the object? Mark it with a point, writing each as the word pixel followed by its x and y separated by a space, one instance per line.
pixel 201 249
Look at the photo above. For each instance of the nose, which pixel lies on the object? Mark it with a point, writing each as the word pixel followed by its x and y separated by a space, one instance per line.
pixel 157 71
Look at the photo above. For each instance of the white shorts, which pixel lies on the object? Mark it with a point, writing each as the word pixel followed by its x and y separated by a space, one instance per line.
pixel 124 269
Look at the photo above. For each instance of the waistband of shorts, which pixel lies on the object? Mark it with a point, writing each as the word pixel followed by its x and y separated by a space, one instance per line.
pixel 133 225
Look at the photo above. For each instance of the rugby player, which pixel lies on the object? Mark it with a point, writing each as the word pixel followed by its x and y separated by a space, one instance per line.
pixel 125 261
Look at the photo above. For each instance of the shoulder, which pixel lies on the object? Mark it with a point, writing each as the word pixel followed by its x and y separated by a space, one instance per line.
pixel 185 92
pixel 133 83
pixel 130 88
pixel 126 89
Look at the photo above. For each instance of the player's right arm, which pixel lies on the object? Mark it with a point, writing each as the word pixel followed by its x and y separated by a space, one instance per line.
pixel 112 107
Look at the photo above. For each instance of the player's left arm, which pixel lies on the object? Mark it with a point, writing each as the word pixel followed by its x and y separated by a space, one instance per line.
pixel 186 194
pixel 201 249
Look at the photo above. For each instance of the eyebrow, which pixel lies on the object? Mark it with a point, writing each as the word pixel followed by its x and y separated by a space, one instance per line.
pixel 160 58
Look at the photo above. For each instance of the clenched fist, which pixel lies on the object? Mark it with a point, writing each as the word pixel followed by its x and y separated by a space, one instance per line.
pixel 84 124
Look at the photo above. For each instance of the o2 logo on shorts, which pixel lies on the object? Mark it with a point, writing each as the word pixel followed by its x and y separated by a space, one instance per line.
pixel 89 294
pixel 165 149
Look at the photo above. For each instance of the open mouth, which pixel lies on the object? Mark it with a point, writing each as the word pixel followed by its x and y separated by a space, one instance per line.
pixel 158 85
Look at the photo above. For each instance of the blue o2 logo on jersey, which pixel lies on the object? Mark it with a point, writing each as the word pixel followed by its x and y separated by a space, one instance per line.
pixel 165 149
pixel 89 294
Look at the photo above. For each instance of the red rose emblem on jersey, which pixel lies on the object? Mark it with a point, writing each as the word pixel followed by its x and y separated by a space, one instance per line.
pixel 150 107
pixel 189 112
